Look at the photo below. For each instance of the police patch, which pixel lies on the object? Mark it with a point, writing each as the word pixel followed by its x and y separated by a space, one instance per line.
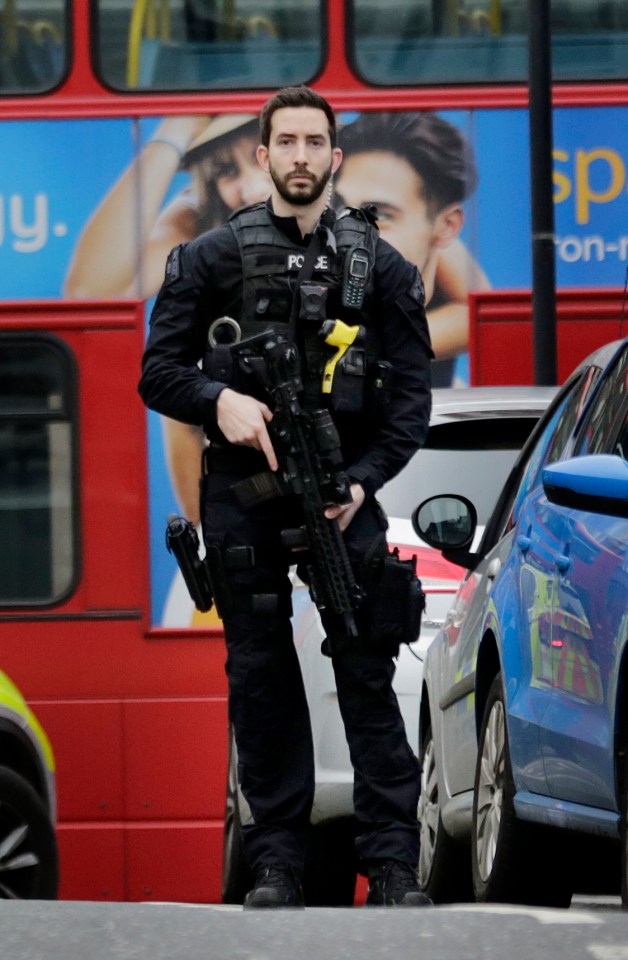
pixel 173 265
pixel 294 261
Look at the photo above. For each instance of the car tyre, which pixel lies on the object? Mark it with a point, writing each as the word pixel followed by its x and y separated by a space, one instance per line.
pixel 237 878
pixel 624 837
pixel 513 861
pixel 29 861
pixel 444 864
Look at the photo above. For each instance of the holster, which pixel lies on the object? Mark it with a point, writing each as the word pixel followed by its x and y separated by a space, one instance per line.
pixel 219 563
pixel 395 603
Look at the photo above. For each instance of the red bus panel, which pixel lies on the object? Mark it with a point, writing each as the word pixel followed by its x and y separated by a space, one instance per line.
pixel 501 332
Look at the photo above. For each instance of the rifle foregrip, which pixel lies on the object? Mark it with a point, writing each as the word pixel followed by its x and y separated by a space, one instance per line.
pixel 335 577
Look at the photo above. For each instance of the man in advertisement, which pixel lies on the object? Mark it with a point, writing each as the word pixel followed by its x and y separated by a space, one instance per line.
pixel 417 170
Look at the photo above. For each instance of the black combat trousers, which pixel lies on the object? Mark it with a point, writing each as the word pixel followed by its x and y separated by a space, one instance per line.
pixel 267 705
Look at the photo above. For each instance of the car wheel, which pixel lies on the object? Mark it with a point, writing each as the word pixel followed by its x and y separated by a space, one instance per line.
pixel 237 878
pixel 331 864
pixel 29 863
pixel 513 861
pixel 624 839
pixel 444 864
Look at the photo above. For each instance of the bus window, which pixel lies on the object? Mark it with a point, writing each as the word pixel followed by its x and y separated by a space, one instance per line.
pixel 208 44
pixel 37 385
pixel 482 41
pixel 32 45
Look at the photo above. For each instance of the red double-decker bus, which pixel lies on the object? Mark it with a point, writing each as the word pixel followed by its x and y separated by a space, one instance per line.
pixel 128 126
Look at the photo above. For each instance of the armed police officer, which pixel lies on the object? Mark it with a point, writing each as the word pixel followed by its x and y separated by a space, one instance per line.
pixel 291 268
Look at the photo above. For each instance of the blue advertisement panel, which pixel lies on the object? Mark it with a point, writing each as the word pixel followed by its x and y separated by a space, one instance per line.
pixel 53 175
pixel 91 208
pixel 590 195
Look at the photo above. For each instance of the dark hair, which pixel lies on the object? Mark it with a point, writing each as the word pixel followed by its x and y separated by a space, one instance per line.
pixel 213 211
pixel 295 97
pixel 201 157
pixel 437 150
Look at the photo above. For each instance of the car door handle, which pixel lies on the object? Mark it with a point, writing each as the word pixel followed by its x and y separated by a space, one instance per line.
pixel 493 568
pixel 563 562
pixel 524 543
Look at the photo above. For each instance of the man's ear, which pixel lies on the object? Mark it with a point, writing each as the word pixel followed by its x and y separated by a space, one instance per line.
pixel 336 159
pixel 448 224
pixel 262 157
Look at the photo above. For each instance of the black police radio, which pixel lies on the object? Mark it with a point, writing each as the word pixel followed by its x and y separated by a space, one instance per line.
pixel 356 275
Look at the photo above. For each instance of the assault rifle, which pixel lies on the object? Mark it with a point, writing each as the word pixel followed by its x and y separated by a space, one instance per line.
pixel 310 466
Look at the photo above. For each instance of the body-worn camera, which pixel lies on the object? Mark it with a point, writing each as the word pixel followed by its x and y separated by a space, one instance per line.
pixel 313 302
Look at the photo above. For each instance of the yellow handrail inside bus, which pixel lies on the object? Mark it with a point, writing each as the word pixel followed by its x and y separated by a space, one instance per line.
pixel 228 22
pixel 452 14
pixel 495 17
pixel 145 21
pixel 457 15
pixel 9 28
pixel 261 27
pixel 39 30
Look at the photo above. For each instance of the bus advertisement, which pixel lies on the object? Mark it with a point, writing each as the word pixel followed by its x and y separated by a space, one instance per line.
pixel 128 128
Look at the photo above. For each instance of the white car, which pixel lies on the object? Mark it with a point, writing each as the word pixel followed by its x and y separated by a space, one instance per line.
pixel 474 437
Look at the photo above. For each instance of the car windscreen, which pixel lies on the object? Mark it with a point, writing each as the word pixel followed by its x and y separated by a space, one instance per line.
pixel 471 457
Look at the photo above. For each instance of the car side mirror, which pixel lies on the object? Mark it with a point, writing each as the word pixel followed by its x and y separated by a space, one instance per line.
pixel 597 483
pixel 446 522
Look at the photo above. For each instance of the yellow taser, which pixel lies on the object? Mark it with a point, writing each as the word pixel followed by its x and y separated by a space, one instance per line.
pixel 340 335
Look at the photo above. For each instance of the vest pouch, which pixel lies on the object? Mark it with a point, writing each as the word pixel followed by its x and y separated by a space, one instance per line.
pixel 378 391
pixel 273 305
pixel 394 606
pixel 219 364
pixel 348 384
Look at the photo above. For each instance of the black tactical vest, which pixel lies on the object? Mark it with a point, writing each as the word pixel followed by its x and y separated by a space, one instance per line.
pixel 273 297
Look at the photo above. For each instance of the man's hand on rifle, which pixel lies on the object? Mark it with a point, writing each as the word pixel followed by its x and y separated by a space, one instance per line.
pixel 344 513
pixel 243 421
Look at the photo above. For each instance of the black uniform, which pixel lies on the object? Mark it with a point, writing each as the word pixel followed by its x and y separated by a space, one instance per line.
pixel 267 705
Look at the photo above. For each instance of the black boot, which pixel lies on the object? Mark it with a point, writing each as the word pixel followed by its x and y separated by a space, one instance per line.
pixel 276 885
pixel 393 883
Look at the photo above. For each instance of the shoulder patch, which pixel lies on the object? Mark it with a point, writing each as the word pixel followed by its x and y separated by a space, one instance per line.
pixel 173 265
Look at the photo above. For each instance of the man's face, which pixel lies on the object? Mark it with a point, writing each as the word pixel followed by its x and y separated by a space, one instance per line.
pixel 299 157
pixel 396 189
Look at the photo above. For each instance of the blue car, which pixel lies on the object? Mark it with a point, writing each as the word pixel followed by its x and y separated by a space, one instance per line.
pixel 523 727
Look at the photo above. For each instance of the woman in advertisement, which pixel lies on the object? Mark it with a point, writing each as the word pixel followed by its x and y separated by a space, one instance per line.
pixel 123 250
pixel 224 175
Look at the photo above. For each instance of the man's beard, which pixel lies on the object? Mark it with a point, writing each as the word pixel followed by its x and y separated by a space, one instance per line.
pixel 300 196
